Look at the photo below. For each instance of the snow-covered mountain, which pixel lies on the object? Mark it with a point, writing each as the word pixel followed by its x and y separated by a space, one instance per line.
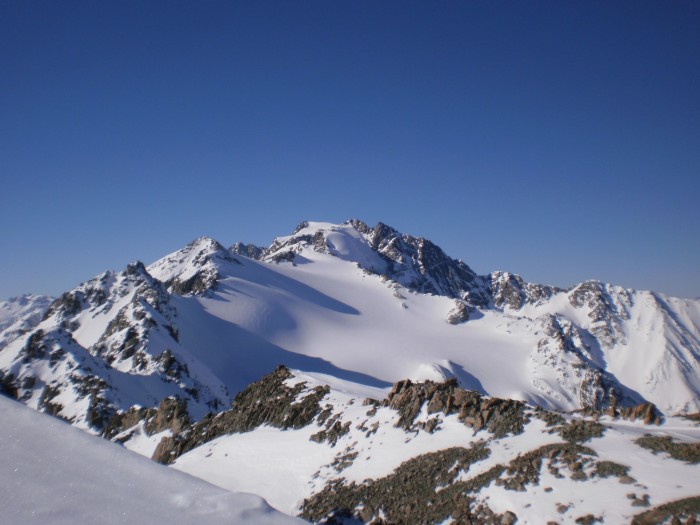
pixel 142 356
pixel 20 314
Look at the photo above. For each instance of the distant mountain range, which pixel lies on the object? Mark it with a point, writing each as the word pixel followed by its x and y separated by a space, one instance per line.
pixel 147 355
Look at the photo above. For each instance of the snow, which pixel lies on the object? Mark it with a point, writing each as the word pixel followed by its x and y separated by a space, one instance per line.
pixel 663 479
pixel 302 467
pixel 55 474
pixel 336 324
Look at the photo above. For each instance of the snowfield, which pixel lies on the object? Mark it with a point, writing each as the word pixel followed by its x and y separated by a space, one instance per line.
pixel 53 473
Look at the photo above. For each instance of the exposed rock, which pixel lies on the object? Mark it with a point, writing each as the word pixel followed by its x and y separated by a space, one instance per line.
pixel 588 519
pixel 685 511
pixel 459 313
pixel 287 256
pixel 124 420
pixel 608 308
pixel 198 284
pixel 35 348
pixel 45 401
pixel 422 266
pixel 421 490
pixel 7 385
pixel 644 411
pixel 425 488
pixel 334 430
pixel 579 430
pixel 605 469
pixel 248 250
pixel 70 303
pixel 509 290
pixel 688 452
pixel 171 414
pixel 268 401
pixel 498 416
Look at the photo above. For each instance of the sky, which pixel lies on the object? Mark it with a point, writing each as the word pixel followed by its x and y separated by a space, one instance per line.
pixel 556 140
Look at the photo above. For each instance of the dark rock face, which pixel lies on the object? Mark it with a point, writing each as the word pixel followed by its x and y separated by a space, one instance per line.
pixel 422 266
pixel 198 284
pixel 647 412
pixel 46 403
pixel 286 256
pixel 121 420
pixel 498 416
pixel 268 401
pixel 70 303
pixel 7 385
pixel 204 254
pixel 171 414
pixel 248 250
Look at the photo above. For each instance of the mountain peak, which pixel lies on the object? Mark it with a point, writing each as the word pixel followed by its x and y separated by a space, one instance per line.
pixel 194 269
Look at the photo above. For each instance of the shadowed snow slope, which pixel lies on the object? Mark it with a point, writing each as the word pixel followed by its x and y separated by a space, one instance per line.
pixel 52 473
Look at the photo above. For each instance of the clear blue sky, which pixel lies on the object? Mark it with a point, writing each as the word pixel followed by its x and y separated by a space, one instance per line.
pixel 557 140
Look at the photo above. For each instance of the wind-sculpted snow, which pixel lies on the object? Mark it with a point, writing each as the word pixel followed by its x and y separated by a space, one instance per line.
pixel 54 474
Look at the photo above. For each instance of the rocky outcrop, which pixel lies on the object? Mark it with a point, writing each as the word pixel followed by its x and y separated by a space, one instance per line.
pixel 459 313
pixel 171 414
pixel 436 487
pixel 647 412
pixel 510 290
pixel 194 270
pixel 269 401
pixel 248 250
pixel 579 430
pixel 498 416
pixel 688 452
pixel 409 495
pixel 422 266
pixel 608 308
pixel 564 353
pixel 680 512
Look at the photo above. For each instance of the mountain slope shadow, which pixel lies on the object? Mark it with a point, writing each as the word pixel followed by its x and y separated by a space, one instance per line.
pixel 239 357
pixel 262 275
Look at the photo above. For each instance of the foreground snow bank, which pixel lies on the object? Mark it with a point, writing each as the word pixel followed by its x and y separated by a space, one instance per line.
pixel 52 473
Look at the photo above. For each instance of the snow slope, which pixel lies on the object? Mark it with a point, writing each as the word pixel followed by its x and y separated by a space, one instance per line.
pixel 52 473
pixel 375 445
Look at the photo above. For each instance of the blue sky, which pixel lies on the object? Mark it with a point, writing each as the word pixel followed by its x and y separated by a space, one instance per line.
pixel 557 140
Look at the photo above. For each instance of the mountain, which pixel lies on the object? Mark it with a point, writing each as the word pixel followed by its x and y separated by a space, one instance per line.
pixel 153 355
pixel 20 314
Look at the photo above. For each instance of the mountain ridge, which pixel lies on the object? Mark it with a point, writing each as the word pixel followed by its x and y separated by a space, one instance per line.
pixel 347 360
pixel 575 329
